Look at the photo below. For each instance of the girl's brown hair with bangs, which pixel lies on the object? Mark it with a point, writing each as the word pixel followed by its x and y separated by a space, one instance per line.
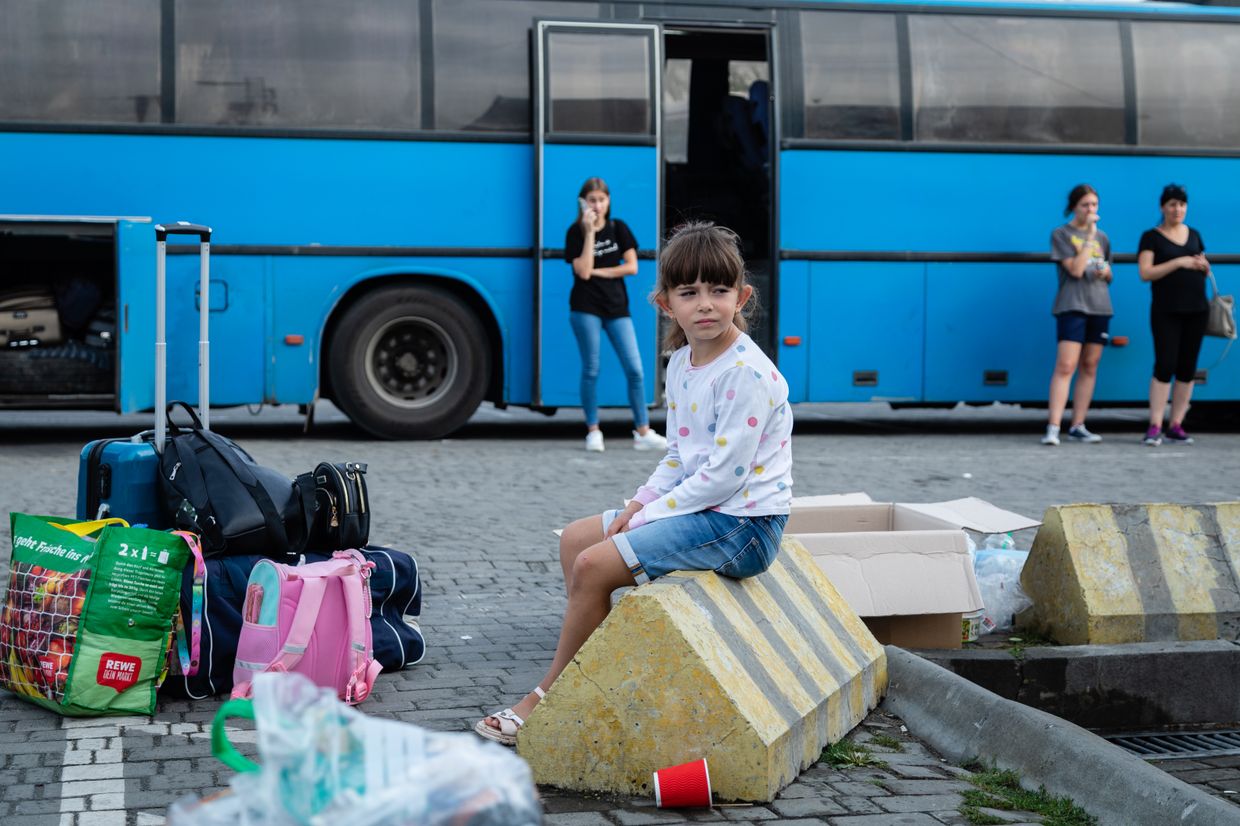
pixel 702 251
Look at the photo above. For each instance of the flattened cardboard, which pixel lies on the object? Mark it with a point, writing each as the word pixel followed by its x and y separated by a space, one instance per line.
pixel 975 515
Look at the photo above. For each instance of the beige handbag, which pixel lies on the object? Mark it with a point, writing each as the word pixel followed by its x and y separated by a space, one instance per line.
pixel 1222 322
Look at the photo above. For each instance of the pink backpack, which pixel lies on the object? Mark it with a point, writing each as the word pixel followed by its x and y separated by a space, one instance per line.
pixel 311 619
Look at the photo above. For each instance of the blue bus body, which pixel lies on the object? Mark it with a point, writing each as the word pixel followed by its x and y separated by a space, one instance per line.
pixel 905 270
pixel 933 329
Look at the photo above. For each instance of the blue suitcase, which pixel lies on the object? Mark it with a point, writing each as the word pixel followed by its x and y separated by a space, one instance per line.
pixel 120 477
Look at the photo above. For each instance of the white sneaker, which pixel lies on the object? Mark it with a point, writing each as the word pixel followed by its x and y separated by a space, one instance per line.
pixel 594 442
pixel 648 441
pixel 1052 435
pixel 1080 433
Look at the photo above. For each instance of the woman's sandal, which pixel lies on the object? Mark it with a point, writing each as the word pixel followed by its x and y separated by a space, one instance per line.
pixel 509 724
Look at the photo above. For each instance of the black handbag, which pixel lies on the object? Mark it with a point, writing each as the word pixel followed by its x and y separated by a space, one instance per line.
pixel 342 509
pixel 213 488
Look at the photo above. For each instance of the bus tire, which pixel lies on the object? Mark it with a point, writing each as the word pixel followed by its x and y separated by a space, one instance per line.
pixel 409 363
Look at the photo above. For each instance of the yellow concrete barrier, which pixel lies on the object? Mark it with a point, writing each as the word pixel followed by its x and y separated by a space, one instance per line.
pixel 1106 574
pixel 757 676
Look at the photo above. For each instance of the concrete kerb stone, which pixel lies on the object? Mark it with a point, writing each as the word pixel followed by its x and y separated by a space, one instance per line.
pixel 1130 686
pixel 964 721
pixel 1105 574
pixel 756 675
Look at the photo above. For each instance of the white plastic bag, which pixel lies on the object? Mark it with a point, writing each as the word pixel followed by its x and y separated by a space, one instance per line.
pixel 997 568
pixel 323 762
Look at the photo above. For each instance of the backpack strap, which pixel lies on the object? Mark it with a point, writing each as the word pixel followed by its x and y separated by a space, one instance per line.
pixel 195 488
pixel 191 655
pixel 304 618
pixel 358 605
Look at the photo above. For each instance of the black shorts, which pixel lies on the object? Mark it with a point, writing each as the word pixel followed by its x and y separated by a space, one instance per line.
pixel 1082 327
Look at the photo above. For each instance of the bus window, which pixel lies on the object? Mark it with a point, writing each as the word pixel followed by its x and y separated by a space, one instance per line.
pixel 591 90
pixel 92 62
pixel 1016 80
pixel 298 63
pixel 482 70
pixel 852 76
pixel 1187 88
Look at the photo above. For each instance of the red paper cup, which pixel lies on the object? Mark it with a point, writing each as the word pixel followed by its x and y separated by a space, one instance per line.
pixel 683 786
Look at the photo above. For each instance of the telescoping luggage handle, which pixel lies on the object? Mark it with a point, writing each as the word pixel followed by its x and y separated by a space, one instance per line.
pixel 162 231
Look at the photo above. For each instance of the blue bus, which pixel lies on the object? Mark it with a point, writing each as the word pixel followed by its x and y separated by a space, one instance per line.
pixel 390 181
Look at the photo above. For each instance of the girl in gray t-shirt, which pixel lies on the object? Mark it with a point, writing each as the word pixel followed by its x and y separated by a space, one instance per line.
pixel 1082 310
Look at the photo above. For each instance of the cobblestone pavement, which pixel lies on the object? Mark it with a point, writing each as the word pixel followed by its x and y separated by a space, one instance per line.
pixel 477 511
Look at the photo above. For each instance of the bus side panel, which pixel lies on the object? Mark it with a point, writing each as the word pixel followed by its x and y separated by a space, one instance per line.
pixel 1124 372
pixel 989 331
pixel 307 290
pixel 238 297
pixel 989 202
pixel 285 191
pixel 794 322
pixel 867 330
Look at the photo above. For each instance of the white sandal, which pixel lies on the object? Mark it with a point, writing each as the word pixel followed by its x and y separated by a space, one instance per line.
pixel 509 724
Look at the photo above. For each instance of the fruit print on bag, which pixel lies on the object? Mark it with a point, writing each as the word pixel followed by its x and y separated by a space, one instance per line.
pixel 87 618
pixel 38 629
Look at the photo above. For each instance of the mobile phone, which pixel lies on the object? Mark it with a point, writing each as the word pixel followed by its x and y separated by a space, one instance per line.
pixel 583 204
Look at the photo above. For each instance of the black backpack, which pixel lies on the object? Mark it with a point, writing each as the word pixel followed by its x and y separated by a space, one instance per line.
pixel 215 489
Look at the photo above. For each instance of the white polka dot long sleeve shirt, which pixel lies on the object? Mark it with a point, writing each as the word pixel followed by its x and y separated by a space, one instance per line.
pixel 729 439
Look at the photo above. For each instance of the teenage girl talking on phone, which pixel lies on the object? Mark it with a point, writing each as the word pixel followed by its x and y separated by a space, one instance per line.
pixel 602 252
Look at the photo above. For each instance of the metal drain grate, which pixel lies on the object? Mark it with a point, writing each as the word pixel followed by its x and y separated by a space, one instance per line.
pixel 1157 745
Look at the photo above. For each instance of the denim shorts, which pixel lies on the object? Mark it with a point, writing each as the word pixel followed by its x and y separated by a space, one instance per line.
pixel 734 546
pixel 1082 327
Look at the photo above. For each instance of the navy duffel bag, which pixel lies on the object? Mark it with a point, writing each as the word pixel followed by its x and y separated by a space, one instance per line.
pixel 395 588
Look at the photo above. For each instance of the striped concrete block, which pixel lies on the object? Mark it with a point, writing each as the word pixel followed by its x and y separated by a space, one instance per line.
pixel 757 676
pixel 1135 573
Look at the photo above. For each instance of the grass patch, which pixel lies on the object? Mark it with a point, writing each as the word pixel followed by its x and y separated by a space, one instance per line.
pixel 1027 639
pixel 979 818
pixel 887 742
pixel 847 754
pixel 1002 790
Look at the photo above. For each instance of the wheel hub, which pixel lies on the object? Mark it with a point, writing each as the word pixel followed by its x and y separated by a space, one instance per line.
pixel 411 362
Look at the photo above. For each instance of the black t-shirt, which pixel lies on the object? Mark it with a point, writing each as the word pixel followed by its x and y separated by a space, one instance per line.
pixel 604 297
pixel 1182 290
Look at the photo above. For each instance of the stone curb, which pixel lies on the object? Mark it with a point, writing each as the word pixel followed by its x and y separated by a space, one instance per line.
pixel 1112 687
pixel 964 721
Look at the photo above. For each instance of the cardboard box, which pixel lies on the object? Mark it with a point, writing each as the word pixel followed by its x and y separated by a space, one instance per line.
pixel 904 568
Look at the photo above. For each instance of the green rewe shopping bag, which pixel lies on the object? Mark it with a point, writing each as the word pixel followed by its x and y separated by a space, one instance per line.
pixel 88 614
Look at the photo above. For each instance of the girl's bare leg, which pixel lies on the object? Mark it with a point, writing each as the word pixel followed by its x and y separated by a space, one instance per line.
pixel 1086 378
pixel 576 538
pixel 596 572
pixel 1067 355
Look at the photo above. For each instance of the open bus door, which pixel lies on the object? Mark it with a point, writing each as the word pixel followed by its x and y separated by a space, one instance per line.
pixel 596 114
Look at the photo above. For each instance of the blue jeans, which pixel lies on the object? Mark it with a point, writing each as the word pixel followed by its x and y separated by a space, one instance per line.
pixel 588 328
pixel 733 546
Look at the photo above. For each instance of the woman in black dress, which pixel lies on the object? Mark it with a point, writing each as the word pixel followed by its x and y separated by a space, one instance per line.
pixel 1171 256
